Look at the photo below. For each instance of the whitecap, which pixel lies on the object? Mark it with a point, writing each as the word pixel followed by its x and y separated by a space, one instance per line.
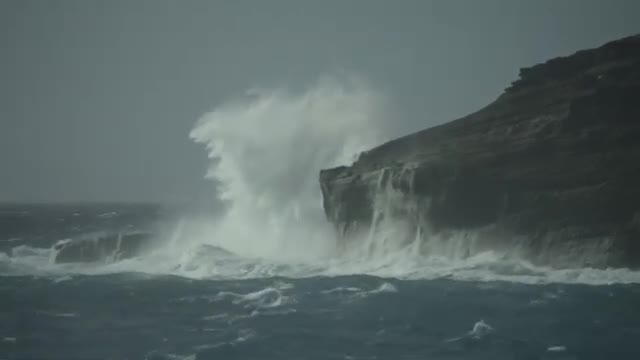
pixel 556 348
pixel 341 289
pixel 385 288
pixel 60 315
pixel 480 330
pixel 215 317
pixel 268 297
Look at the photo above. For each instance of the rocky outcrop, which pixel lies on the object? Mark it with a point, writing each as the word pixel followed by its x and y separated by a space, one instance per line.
pixel 549 172
pixel 103 248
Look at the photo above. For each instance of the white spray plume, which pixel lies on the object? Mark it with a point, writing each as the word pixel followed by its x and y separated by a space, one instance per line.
pixel 267 149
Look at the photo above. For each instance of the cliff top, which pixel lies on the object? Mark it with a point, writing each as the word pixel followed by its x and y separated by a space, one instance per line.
pixel 543 88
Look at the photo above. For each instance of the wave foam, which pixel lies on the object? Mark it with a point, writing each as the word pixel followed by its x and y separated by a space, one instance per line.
pixel 484 267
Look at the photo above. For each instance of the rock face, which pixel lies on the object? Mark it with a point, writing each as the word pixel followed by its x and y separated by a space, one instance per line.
pixel 549 172
pixel 102 248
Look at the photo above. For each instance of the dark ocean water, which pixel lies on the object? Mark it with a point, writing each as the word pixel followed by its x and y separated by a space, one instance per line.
pixel 134 315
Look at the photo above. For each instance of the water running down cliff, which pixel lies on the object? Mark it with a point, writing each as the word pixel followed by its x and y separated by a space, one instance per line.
pixel 547 173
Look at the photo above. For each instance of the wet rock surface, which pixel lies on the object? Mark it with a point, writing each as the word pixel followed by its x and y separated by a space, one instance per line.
pixel 549 172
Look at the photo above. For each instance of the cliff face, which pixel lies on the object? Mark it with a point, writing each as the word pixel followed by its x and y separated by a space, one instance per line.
pixel 549 172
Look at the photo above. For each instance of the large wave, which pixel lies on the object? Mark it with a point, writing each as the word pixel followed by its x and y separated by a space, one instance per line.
pixel 266 149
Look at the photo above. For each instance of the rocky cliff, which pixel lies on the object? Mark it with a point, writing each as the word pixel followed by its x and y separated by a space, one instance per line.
pixel 549 172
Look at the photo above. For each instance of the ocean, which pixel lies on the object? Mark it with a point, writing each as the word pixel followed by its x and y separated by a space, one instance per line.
pixel 205 302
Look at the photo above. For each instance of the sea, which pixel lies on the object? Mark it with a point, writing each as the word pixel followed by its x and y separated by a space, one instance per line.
pixel 217 305
pixel 264 276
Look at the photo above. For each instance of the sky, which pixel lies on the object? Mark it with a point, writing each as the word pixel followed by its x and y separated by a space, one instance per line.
pixel 97 98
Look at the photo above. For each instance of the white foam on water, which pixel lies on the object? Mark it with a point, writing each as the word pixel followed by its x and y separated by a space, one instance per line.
pixel 216 317
pixel 269 297
pixel 244 335
pixel 480 330
pixel 385 288
pixel 381 289
pixel 201 262
pixel 154 355
pixel 341 289
pixel 556 348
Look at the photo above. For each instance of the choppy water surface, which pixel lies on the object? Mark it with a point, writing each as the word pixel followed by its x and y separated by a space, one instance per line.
pixel 204 302
pixel 265 277
pixel 136 316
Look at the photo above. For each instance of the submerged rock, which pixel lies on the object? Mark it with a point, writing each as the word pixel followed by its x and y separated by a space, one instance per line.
pixel 549 172
pixel 102 248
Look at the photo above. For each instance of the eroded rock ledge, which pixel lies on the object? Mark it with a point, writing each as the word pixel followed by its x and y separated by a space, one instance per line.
pixel 550 171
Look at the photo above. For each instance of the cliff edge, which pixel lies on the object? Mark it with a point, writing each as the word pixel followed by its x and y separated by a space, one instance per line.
pixel 549 172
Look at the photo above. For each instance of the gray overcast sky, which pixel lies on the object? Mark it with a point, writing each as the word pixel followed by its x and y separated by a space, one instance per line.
pixel 97 97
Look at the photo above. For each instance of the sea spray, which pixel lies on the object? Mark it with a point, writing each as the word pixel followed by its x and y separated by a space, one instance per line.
pixel 266 150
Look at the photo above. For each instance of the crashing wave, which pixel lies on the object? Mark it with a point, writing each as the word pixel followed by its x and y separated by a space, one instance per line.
pixel 266 150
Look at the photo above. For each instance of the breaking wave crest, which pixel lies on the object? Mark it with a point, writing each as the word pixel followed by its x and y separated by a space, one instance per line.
pixel 266 150
pixel 208 262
